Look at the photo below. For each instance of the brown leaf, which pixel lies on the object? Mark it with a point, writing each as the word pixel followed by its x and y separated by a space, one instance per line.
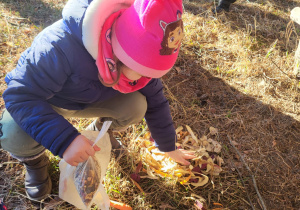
pixel 220 160
pixel 27 30
pixel 139 167
pixel 235 143
pixel 136 177
pixel 274 143
pixel 10 44
pixel 213 131
pixel 238 164
pixel 212 110
pixel 178 69
pixel 247 152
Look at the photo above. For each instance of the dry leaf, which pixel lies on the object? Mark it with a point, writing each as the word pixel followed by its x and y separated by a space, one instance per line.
pixel 219 160
pixel 247 152
pixel 215 146
pixel 10 44
pixel 235 143
pixel 139 167
pixel 203 138
pixel 209 148
pixel 216 170
pixel 213 131
pixel 27 30
pixel 192 134
pixel 177 69
pixel 205 143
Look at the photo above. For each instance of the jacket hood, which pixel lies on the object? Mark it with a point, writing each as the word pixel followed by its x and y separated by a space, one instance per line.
pixel 85 19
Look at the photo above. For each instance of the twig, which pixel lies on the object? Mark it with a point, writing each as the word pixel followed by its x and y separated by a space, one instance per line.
pixel 20 194
pixel 17 18
pixel 253 179
pixel 240 175
pixel 283 159
pixel 269 77
pixel 179 83
pixel 251 204
pixel 6 163
pixel 137 185
pixel 173 97
pixel 280 69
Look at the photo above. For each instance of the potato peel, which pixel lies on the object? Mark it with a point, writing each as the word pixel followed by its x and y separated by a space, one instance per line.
pixel 207 162
pixel 203 180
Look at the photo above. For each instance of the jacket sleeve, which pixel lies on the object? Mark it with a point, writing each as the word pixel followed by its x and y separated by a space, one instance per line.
pixel 41 72
pixel 158 116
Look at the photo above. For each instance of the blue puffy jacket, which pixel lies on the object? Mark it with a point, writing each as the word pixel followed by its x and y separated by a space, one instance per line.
pixel 58 70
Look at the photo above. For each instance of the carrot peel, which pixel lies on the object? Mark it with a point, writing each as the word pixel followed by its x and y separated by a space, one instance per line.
pixel 119 205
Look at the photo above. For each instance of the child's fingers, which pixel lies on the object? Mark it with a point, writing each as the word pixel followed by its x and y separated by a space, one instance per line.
pixel 96 148
pixel 84 157
pixel 181 159
pixel 91 142
pixel 90 151
pixel 187 152
pixel 73 163
pixel 187 156
pixel 184 162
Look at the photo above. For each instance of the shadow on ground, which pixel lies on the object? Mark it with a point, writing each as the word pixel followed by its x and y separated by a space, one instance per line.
pixel 268 140
pixel 37 11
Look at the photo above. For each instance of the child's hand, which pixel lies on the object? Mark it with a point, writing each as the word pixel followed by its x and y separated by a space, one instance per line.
pixel 181 156
pixel 79 150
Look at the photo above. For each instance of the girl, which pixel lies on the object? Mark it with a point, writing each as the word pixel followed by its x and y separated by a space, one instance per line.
pixel 102 59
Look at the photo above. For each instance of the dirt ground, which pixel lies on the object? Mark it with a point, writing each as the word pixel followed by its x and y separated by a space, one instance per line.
pixel 234 73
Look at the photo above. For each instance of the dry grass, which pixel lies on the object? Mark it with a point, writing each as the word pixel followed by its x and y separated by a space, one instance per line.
pixel 234 72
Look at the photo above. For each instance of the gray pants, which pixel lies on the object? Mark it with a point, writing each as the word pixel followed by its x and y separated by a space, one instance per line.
pixel 123 110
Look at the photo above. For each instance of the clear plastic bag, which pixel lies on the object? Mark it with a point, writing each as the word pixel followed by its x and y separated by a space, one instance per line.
pixel 82 185
pixel 87 179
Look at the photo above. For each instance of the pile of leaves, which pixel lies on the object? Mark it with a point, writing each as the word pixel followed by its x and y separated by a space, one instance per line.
pixel 154 164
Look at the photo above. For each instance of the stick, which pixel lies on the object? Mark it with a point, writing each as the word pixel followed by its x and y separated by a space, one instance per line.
pixel 137 185
pixel 240 175
pixel 253 179
pixel 251 204
pixel 280 69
